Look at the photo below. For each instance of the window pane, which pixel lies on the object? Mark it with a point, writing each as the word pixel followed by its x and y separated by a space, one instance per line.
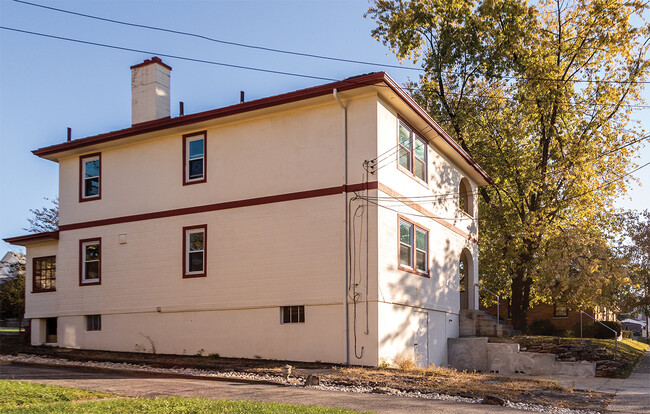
pixel 419 170
pixel 405 158
pixel 405 233
pixel 420 149
pixel 294 314
pixel 92 168
pixel 286 314
pixel 92 270
pixel 421 240
pixel 301 313
pixel 91 187
pixel 405 255
pixel 404 136
pixel 196 168
pixel 92 252
pixel 196 241
pixel 196 149
pixel 196 262
pixel 420 261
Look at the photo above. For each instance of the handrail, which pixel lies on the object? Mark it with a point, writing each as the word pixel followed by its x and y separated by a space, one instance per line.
pixel 594 319
pixel 498 300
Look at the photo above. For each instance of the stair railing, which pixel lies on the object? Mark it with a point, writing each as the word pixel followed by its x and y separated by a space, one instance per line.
pixel 613 330
pixel 478 285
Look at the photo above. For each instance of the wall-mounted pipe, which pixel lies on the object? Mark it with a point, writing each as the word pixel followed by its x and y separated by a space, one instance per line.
pixel 346 224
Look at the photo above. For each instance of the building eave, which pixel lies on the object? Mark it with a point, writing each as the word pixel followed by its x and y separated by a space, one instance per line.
pixel 32 238
pixel 372 79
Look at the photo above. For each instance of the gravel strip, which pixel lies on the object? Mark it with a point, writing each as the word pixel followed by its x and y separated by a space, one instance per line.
pixel 295 382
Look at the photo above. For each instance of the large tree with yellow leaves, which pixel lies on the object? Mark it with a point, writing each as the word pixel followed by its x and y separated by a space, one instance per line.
pixel 542 96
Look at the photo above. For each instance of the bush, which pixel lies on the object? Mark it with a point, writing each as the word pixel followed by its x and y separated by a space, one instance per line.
pixel 541 327
pixel 598 331
pixel 628 334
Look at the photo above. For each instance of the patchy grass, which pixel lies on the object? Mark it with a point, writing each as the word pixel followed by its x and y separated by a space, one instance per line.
pixel 629 350
pixel 14 394
pixel 24 397
pixel 431 380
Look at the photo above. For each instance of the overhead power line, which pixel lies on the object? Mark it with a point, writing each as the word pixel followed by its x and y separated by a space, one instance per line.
pixel 302 54
pixel 225 42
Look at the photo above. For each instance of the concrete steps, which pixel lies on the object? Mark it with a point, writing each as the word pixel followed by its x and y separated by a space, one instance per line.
pixel 476 354
pixel 479 323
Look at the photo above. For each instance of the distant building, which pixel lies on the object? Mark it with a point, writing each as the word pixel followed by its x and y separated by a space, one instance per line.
pixel 9 260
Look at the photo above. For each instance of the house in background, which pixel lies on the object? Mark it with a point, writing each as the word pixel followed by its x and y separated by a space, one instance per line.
pixel 560 315
pixel 336 223
pixel 8 262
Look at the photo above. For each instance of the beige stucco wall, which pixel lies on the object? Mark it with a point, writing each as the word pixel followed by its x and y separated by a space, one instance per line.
pixel 262 257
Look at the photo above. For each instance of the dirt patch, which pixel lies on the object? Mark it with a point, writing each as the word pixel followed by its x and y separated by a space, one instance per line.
pixel 380 380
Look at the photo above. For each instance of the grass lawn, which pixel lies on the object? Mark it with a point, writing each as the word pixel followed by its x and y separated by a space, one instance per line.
pixel 630 350
pixel 24 397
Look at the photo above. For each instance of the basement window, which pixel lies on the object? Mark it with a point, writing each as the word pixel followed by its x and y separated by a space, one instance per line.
pixel 194 158
pixel 292 314
pixel 94 322
pixel 90 167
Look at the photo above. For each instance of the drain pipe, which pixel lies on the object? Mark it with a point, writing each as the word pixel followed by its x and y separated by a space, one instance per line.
pixel 347 247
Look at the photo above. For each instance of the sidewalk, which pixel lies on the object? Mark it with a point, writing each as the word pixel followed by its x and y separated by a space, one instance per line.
pixel 634 395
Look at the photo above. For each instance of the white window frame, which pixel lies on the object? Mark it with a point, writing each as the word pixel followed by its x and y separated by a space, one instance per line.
pixel 412 158
pixel 93 323
pixel 301 312
pixel 188 139
pixel 85 160
pixel 188 231
pixel 84 246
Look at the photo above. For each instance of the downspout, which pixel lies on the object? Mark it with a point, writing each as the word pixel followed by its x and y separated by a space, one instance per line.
pixel 347 219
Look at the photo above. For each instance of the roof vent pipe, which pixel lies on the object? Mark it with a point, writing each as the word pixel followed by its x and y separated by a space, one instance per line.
pixel 241 96
pixel 69 134
pixel 181 108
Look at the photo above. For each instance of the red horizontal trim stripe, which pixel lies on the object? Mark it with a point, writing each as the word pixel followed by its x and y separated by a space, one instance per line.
pixel 54 235
pixel 300 195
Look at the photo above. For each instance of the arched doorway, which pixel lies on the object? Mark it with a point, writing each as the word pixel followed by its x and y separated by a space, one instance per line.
pixel 463 278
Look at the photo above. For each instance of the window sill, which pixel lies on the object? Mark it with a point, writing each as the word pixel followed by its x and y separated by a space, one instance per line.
pixel 191 276
pixel 84 199
pixel 90 282
pixel 203 180
pixel 44 291
pixel 413 271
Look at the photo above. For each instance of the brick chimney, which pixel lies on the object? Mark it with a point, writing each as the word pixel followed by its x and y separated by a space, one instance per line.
pixel 149 91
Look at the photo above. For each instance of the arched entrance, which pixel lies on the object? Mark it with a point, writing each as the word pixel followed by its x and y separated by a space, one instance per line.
pixel 463 278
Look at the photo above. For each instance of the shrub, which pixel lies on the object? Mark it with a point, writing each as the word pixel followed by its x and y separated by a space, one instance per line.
pixel 598 331
pixel 628 334
pixel 406 363
pixel 541 327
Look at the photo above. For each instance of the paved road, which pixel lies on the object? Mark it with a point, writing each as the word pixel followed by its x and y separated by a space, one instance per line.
pixel 148 386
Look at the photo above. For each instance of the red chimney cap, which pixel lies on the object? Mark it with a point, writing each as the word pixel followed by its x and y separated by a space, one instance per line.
pixel 154 59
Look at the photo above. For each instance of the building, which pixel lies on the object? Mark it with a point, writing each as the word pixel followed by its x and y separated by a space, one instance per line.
pixel 327 224
pixel 9 263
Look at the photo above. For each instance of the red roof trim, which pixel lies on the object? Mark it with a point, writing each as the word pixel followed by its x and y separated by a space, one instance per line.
pixel 54 235
pixel 347 84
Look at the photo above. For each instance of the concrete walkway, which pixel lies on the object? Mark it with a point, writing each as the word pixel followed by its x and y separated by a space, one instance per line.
pixel 148 386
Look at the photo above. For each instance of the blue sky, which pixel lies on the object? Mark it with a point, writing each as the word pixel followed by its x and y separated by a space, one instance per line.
pixel 47 85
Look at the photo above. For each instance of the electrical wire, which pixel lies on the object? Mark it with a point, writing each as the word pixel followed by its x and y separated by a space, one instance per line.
pixel 288 52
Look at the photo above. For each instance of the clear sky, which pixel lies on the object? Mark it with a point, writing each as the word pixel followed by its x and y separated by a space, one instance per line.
pixel 47 85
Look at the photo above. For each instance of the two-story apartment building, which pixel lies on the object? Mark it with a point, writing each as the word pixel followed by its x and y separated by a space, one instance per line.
pixel 336 223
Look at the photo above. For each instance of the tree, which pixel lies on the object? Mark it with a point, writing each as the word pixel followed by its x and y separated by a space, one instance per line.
pixel 12 293
pixel 638 252
pixel 541 95
pixel 45 219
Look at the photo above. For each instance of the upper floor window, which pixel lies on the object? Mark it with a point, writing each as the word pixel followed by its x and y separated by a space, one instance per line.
pixel 465 197
pixel 413 247
pixel 44 274
pixel 90 261
pixel 194 158
pixel 194 244
pixel 412 152
pixel 90 177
